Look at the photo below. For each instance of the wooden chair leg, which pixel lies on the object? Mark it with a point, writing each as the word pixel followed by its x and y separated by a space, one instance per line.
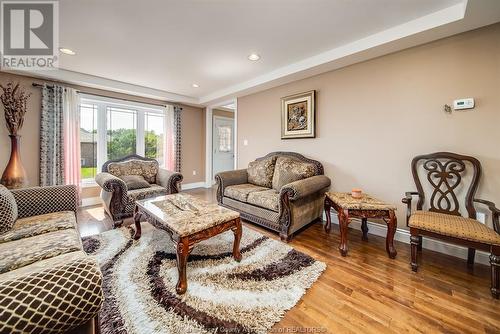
pixel 470 258
pixel 495 272
pixel 414 242
pixel 420 242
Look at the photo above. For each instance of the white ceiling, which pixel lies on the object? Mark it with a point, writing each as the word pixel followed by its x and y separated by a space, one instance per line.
pixel 158 48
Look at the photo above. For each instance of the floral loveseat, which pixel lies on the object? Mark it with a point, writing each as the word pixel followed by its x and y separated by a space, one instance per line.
pixel 283 191
pixel 47 282
pixel 119 197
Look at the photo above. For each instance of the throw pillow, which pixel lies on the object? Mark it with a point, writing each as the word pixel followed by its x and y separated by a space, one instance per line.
pixel 289 170
pixel 260 172
pixel 8 210
pixel 135 182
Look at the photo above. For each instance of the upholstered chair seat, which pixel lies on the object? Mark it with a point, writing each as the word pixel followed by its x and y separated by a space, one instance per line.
pixel 454 226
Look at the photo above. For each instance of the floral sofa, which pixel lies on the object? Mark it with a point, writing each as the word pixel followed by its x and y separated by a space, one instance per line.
pixel 47 282
pixel 119 196
pixel 283 191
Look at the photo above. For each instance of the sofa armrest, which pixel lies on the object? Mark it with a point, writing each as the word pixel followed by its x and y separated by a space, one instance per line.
pixel 109 182
pixel 302 188
pixel 229 178
pixel 41 200
pixel 169 179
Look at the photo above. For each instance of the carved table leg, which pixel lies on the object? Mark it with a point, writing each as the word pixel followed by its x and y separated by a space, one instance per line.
pixel 343 223
pixel 328 207
pixel 137 221
pixel 364 228
pixel 391 230
pixel 182 256
pixel 237 238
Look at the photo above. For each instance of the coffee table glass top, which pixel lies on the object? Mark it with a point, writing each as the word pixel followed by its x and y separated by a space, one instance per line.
pixel 366 202
pixel 185 214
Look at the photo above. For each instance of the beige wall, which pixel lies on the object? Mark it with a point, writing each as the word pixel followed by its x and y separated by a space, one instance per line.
pixel 373 117
pixel 193 132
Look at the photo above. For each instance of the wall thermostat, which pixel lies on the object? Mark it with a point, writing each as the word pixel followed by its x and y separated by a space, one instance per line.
pixel 463 104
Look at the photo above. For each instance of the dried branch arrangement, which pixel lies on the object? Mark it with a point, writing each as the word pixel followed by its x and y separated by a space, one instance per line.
pixel 14 100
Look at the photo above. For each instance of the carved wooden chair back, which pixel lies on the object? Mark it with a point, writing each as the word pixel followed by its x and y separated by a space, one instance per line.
pixel 444 173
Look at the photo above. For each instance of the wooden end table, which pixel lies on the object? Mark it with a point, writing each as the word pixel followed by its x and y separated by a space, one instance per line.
pixel 188 221
pixel 366 207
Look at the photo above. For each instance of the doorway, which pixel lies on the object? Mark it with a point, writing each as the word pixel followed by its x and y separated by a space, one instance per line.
pixel 223 144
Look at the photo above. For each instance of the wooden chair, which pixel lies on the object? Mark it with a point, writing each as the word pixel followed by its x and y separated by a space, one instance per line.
pixel 443 220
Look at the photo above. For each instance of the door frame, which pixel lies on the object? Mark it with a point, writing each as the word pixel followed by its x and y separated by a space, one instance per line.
pixel 209 181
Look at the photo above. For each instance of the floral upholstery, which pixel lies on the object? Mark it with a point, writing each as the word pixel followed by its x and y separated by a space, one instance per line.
pixel 268 199
pixel 366 202
pixel 8 210
pixel 147 169
pixel 260 172
pixel 288 170
pixel 240 192
pixel 36 225
pixel 187 215
pixel 153 191
pixel 19 253
pixel 454 226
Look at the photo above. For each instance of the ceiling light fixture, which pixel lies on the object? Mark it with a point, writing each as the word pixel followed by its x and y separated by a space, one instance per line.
pixel 195 85
pixel 253 57
pixel 67 51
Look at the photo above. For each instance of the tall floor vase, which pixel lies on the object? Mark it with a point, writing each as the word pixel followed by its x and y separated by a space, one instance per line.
pixel 14 175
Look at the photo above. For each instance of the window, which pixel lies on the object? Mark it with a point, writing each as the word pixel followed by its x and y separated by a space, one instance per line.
pixel 112 129
pixel 224 138
pixel 121 132
pixel 88 140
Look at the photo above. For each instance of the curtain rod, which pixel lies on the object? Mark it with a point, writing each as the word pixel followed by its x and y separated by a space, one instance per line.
pixel 107 96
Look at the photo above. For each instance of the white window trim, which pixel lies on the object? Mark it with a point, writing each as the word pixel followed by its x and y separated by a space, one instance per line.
pixel 102 104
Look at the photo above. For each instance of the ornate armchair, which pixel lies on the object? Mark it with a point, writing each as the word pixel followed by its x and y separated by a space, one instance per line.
pixel 118 199
pixel 447 173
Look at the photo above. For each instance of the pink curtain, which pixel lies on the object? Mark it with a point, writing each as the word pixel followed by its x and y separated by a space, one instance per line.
pixel 169 139
pixel 71 126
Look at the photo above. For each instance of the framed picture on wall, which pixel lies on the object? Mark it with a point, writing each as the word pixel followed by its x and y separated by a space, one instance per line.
pixel 298 113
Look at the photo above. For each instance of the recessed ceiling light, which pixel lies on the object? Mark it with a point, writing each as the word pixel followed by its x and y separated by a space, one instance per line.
pixel 253 57
pixel 67 51
pixel 195 85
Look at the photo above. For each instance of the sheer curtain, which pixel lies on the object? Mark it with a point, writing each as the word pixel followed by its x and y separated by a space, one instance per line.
pixel 71 120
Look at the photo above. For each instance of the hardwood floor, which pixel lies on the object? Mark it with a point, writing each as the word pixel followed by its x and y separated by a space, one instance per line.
pixel 366 292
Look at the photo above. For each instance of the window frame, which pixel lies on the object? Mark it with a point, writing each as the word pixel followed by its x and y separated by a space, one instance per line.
pixel 102 104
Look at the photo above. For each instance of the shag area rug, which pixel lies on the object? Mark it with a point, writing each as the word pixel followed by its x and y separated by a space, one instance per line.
pixel 223 296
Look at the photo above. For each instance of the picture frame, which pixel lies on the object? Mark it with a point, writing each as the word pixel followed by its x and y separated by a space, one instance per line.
pixel 298 115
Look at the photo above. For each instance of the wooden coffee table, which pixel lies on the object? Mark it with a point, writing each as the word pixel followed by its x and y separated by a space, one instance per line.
pixel 188 221
pixel 366 207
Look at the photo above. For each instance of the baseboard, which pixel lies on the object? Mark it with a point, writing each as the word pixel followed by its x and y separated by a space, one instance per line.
pixel 187 186
pixel 91 201
pixel 428 243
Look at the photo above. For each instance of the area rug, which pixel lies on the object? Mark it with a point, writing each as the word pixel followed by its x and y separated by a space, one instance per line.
pixel 223 296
